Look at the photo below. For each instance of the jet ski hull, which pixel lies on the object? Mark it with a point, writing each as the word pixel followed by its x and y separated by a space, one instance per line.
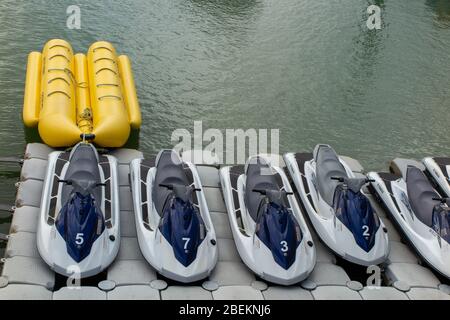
pixel 51 245
pixel 334 234
pixel 154 246
pixel 254 253
pixel 391 191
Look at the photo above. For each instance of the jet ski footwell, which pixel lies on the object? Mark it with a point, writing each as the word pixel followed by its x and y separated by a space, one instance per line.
pixel 131 276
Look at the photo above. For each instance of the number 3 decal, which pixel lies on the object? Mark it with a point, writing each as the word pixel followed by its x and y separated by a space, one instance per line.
pixel 284 246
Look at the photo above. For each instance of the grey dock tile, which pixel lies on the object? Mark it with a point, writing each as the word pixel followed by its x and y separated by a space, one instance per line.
pixel 287 293
pixel 393 234
pixel 382 293
pixel 412 274
pixel 127 224
pixel 124 156
pixel 227 250
pixel 185 293
pixel 221 225
pixel 131 272
pixel 327 274
pixel 237 293
pixel 33 169
pixel 335 293
pixel 129 249
pixel 22 244
pixel 37 150
pixel 26 270
pixel 209 176
pixel 134 292
pixel 25 219
pixel 214 199
pixel 29 193
pixel 25 292
pixel 123 172
pixel 81 293
pixel 427 294
pixel 125 198
pixel 227 273
pixel 401 253
pixel 354 164
pixel 323 254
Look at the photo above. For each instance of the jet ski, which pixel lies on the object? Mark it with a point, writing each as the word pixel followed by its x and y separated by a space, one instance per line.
pixel 174 227
pixel 269 230
pixel 337 206
pixel 78 229
pixel 419 210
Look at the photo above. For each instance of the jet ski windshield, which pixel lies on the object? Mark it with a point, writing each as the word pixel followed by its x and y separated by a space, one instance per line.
pixel 182 226
pixel 354 210
pixel 278 230
pixel 80 222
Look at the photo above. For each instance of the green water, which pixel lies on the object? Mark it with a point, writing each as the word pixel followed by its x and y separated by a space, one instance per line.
pixel 309 68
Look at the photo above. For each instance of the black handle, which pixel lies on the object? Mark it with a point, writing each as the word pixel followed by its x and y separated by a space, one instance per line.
pixel 87 136
pixel 441 200
pixel 68 182
pixel 340 179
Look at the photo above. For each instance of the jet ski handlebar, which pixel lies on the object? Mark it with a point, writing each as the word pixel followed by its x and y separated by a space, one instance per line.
pixel 171 186
pixel 344 179
pixel 71 182
pixel 441 200
pixel 265 191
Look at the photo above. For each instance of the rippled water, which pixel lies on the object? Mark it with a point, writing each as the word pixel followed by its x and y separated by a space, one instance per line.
pixel 308 68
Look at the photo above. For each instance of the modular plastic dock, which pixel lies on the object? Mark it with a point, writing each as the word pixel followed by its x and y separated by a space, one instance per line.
pixel 26 276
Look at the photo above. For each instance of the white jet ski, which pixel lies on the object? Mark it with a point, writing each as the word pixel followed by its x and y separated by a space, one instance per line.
pixel 420 211
pixel 269 230
pixel 174 227
pixel 78 230
pixel 337 207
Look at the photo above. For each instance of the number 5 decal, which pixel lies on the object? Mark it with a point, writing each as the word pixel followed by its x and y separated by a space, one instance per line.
pixel 79 239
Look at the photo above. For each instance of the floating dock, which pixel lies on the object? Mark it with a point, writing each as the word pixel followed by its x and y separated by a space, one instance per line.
pixel 26 276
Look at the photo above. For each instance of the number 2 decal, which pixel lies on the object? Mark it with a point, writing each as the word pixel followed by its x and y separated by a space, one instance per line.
pixel 366 231
pixel 284 246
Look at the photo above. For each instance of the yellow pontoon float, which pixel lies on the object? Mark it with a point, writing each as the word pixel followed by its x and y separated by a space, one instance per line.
pixel 67 95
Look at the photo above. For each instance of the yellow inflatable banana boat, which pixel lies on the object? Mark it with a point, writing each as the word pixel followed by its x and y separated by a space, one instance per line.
pixel 67 95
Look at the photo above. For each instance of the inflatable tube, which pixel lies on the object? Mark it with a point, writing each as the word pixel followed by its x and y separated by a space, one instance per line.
pixel 110 117
pixel 129 92
pixel 57 119
pixel 31 100
pixel 84 111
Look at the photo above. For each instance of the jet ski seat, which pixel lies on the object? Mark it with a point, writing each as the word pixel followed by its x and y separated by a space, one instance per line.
pixel 168 173
pixel 259 178
pixel 84 169
pixel 327 166
pixel 421 194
